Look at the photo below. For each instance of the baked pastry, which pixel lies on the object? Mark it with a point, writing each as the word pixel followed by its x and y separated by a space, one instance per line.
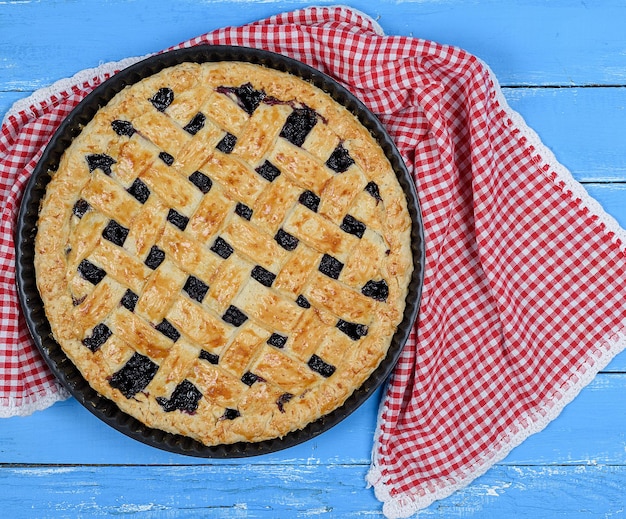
pixel 224 252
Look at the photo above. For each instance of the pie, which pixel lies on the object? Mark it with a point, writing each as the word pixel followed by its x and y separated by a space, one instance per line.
pixel 224 251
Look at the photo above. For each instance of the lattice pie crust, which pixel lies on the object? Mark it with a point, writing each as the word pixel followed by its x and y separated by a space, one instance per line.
pixel 224 251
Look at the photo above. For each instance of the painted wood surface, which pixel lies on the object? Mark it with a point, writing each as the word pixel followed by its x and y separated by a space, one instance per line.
pixel 563 67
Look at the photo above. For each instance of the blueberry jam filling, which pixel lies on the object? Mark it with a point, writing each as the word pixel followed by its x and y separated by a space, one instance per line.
pixel 230 414
pixel 134 376
pixel 372 189
pixel 177 219
pixel 100 161
pixel 139 190
pixel 268 171
pixel 167 329
pixel 222 248
pixel 246 96
pixel 250 378
pixel 234 316
pixel 277 340
pixel 162 99
pixel 196 124
pixel 339 160
pixel 298 125
pixel 115 233
pixel 286 240
pixel 263 276
pixel 91 272
pixel 195 288
pixel 123 128
pixel 244 211
pixel 211 358
pixel 321 367
pixel 330 266
pixel 310 200
pixel 201 181
pixel 378 290
pixel 353 226
pixel 99 336
pixel 282 400
pixel 155 257
pixel 184 398
pixel 129 300
pixel 167 158
pixel 303 302
pixel 81 207
pixel 227 144
pixel 353 330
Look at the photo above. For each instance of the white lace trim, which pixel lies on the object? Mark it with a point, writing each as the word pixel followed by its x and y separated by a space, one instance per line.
pixel 404 505
pixel 12 406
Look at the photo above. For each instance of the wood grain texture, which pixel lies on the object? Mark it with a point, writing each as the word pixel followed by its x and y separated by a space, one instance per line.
pixel 332 491
pixel 563 68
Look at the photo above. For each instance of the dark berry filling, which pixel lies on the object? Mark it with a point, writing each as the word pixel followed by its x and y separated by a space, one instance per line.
pixel 234 316
pixel 286 240
pixel 212 358
pixel 81 207
pixel 184 398
pixel 139 190
pixel 91 272
pixel 353 330
pixel 263 276
pixel 100 161
pixel 321 367
pixel 247 97
pixel 166 157
pixel 162 99
pixel 115 233
pixel 330 266
pixel 134 376
pixel 195 288
pixel 353 226
pixel 123 128
pixel 177 219
pixel 129 300
pixel 277 340
pixel 244 211
pixel 222 248
pixel 196 124
pixel 376 289
pixel 372 189
pixel 310 200
pixel 230 414
pixel 282 400
pixel 201 181
pixel 168 329
pixel 227 144
pixel 99 336
pixel 250 378
pixel 339 160
pixel 155 257
pixel 268 171
pixel 298 125
pixel 303 302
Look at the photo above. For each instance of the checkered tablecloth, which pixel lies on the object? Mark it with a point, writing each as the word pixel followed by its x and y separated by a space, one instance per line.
pixel 525 273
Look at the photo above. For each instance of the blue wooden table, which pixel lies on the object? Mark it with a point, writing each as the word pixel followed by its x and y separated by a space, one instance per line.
pixel 562 65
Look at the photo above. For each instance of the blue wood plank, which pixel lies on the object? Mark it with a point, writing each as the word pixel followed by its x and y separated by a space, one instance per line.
pixel 336 491
pixel 582 126
pixel 526 42
pixel 591 428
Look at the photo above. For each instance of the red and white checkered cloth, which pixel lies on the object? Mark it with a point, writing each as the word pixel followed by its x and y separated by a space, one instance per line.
pixel 525 274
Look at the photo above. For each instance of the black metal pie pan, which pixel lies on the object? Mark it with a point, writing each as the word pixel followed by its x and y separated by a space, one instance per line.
pixel 26 230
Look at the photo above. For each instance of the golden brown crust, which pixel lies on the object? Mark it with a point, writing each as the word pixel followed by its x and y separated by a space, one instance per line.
pixel 215 271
